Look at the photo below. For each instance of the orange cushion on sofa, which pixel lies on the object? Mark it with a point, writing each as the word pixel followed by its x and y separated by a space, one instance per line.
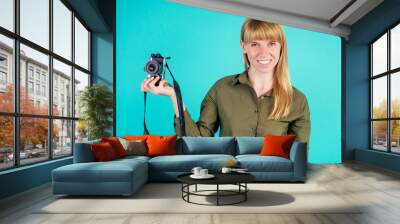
pixel 277 145
pixel 116 145
pixel 135 138
pixel 103 151
pixel 161 145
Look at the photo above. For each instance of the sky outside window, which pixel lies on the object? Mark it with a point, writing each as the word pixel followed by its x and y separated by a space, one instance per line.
pixel 7 14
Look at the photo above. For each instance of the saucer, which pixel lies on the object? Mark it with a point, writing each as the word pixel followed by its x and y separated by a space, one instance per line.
pixel 208 176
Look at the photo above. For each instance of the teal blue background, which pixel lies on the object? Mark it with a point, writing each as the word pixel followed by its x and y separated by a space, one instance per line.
pixel 204 46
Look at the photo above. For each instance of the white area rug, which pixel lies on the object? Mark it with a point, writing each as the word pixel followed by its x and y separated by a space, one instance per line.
pixel 166 198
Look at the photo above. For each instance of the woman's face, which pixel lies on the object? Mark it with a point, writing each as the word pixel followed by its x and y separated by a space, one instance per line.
pixel 263 55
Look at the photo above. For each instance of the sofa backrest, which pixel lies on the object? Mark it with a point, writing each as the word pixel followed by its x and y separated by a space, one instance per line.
pixel 249 145
pixel 83 153
pixel 206 145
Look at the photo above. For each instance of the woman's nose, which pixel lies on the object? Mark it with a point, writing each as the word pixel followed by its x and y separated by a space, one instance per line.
pixel 264 50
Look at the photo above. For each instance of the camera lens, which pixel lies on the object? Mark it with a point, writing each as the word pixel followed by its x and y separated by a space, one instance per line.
pixel 151 67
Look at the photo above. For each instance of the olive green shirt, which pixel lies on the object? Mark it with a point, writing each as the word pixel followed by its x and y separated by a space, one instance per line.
pixel 232 105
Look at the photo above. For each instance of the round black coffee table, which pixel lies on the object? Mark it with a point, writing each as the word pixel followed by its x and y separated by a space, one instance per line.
pixel 238 179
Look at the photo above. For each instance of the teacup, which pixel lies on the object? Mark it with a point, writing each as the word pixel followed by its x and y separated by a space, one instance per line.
pixel 203 172
pixel 196 170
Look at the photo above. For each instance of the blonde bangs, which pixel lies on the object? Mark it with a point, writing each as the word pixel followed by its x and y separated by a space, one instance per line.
pixel 259 30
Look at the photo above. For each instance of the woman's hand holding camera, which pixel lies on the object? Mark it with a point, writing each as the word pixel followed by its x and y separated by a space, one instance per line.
pixel 163 88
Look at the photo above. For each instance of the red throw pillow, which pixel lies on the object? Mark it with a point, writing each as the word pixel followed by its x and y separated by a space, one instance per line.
pixel 103 151
pixel 116 145
pixel 277 145
pixel 161 145
pixel 135 138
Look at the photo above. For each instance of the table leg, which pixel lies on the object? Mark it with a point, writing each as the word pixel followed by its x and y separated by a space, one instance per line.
pixel 245 191
pixel 217 194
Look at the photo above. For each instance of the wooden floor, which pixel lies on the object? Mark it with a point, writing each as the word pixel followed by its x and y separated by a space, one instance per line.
pixel 377 188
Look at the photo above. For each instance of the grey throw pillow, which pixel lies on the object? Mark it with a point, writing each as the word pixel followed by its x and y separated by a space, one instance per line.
pixel 135 147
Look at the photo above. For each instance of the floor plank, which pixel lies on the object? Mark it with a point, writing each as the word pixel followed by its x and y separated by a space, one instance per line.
pixel 375 189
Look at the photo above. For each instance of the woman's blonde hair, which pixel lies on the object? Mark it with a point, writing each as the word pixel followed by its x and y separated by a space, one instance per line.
pixel 283 92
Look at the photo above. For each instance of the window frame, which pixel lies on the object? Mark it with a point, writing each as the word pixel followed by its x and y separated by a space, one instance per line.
pixel 16 114
pixel 388 74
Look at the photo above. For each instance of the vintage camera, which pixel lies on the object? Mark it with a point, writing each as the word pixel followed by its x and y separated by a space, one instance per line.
pixel 156 66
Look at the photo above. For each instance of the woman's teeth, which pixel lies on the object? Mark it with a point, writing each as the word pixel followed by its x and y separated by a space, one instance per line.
pixel 264 61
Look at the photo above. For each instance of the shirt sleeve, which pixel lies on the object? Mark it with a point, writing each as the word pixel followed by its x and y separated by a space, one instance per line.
pixel 208 122
pixel 301 126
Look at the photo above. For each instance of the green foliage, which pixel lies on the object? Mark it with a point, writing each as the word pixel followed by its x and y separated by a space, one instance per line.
pixel 97 104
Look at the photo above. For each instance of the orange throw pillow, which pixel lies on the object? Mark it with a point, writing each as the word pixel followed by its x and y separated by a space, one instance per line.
pixel 116 145
pixel 161 145
pixel 277 145
pixel 135 138
pixel 103 151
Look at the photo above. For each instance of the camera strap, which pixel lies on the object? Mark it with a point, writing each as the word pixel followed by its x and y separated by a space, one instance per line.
pixel 179 102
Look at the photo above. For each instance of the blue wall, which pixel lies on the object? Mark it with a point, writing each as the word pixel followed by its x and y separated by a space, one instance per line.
pixel 102 58
pixel 24 178
pixel 357 72
pixel 357 83
pixel 204 46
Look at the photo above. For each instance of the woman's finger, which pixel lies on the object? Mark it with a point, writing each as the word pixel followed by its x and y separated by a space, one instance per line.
pixel 152 83
pixel 145 84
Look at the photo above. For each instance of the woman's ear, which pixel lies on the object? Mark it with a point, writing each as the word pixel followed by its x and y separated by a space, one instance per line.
pixel 242 46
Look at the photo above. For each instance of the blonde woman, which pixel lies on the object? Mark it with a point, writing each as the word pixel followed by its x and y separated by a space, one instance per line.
pixel 259 101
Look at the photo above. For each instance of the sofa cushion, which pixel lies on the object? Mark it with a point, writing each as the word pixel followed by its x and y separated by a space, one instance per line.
pixel 116 145
pixel 161 145
pixel 103 151
pixel 257 163
pixel 277 145
pixel 111 171
pixel 134 147
pixel 133 138
pixel 249 145
pixel 206 145
pixel 185 163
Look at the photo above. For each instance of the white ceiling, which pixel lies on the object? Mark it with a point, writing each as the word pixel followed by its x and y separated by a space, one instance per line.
pixel 326 16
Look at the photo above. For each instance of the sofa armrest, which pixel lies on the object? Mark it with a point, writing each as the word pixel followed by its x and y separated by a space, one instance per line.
pixel 83 152
pixel 298 155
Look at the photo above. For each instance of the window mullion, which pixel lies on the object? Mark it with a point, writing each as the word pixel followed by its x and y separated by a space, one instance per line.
pixel 73 82
pixel 50 87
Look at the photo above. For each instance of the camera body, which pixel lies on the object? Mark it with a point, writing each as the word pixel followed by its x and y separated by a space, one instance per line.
pixel 156 67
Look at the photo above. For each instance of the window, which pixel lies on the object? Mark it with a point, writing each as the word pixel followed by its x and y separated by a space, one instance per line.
pixel 3 72
pixel 30 87
pixel 30 72
pixel 38 89
pixel 3 78
pixel 81 45
pixel 38 74
pixel 54 126
pixel 34 21
pixel 3 61
pixel 44 91
pixel 385 91
pixel 7 14
pixel 6 73
pixel 43 77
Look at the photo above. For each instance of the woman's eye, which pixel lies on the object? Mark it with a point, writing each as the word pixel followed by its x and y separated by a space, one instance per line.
pixel 272 44
pixel 253 44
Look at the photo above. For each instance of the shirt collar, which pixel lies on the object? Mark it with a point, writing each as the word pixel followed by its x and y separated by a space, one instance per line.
pixel 243 79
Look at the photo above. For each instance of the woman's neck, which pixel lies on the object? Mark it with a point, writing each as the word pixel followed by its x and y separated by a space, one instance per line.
pixel 261 82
